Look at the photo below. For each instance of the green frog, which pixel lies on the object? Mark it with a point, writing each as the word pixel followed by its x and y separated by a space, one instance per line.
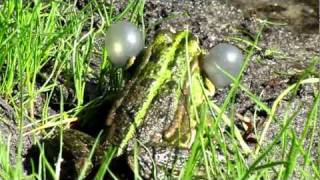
pixel 155 116
pixel 154 112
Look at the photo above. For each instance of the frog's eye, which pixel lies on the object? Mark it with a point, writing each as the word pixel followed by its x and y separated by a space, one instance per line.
pixel 223 57
pixel 123 40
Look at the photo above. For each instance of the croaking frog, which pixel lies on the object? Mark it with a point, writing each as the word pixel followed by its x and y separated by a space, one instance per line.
pixel 154 112
pixel 153 123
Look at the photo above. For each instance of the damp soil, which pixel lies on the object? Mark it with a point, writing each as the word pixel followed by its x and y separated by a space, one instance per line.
pixel 9 130
pixel 285 50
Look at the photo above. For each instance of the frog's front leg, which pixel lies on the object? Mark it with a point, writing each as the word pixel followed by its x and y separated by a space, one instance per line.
pixel 181 131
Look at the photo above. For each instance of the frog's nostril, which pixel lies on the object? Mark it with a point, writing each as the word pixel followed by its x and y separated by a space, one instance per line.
pixel 221 59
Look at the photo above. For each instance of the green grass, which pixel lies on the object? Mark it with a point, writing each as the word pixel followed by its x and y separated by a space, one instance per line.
pixel 43 42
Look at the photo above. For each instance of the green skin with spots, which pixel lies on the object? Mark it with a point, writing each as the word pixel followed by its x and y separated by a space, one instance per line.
pixel 158 87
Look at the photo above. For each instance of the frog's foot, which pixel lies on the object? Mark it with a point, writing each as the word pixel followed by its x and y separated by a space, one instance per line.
pixel 181 132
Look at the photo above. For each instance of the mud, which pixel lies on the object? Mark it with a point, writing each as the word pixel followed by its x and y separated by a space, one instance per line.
pixel 9 132
pixel 286 49
pixel 299 15
pixel 284 52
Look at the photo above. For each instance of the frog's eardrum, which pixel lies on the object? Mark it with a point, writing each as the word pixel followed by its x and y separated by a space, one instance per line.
pixel 223 56
pixel 123 40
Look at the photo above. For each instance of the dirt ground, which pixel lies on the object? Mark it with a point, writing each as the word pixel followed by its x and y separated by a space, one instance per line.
pixel 293 48
pixel 283 52
pixel 285 49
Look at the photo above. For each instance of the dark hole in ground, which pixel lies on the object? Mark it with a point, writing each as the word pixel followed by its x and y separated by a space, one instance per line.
pixel 73 159
pixel 119 167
